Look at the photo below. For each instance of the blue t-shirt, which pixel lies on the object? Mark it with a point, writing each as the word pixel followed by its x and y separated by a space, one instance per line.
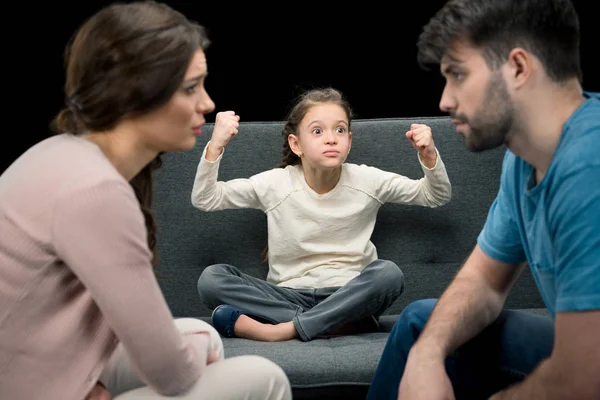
pixel 555 226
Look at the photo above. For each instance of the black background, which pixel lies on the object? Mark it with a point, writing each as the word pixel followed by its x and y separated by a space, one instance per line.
pixel 261 57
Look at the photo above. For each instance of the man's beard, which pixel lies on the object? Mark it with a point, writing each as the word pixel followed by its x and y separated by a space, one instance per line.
pixel 495 120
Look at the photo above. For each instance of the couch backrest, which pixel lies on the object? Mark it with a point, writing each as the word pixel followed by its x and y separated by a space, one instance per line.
pixel 428 244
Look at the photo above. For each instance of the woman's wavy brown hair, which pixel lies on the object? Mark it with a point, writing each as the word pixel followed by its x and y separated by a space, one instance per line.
pixel 127 60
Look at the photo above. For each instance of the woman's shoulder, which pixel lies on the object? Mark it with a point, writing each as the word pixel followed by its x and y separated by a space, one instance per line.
pixel 74 165
pixel 60 161
pixel 64 175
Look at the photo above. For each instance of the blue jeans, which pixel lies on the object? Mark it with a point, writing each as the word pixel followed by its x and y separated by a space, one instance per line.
pixel 504 353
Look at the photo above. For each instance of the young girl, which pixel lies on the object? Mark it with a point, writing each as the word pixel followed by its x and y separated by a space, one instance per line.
pixel 324 273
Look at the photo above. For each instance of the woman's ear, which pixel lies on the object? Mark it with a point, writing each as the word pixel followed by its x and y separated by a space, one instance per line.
pixel 294 145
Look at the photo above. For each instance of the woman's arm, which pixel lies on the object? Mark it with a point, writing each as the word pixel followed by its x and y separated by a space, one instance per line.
pixel 99 233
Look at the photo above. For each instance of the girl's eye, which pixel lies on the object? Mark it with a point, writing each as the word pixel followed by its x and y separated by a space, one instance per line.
pixel 317 131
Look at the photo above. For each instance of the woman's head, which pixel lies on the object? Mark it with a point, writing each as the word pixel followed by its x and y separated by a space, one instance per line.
pixel 318 126
pixel 140 65
pixel 135 62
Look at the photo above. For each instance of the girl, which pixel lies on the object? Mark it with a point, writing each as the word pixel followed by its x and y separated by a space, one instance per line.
pixel 324 274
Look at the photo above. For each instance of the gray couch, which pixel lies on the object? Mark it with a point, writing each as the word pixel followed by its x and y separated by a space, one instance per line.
pixel 428 244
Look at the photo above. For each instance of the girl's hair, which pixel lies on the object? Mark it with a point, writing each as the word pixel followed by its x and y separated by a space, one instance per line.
pixel 300 108
pixel 127 60
pixel 303 104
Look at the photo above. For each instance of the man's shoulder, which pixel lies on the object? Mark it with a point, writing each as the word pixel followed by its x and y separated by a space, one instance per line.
pixel 511 164
pixel 581 134
pixel 586 119
pixel 594 96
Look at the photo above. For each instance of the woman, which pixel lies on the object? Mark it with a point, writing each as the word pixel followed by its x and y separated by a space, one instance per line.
pixel 81 313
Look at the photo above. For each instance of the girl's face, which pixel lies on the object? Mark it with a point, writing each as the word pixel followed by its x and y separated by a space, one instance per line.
pixel 323 140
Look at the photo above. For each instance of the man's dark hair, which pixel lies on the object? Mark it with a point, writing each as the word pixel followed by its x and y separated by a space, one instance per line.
pixel 549 29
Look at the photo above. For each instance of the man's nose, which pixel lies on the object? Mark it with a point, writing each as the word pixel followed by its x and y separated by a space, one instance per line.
pixel 447 101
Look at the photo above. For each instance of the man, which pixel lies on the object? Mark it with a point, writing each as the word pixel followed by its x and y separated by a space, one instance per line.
pixel 513 78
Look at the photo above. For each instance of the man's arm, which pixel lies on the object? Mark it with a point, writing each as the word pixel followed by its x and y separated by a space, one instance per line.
pixel 470 303
pixel 573 369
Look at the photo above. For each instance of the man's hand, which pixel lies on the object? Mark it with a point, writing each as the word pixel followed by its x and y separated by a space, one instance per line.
pixel 425 378
pixel 99 392
pixel 226 127
pixel 422 140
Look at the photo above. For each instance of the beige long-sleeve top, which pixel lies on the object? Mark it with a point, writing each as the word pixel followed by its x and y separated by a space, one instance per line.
pixel 318 240
pixel 76 278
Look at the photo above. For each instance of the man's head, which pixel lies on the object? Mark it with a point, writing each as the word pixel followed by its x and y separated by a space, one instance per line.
pixel 485 49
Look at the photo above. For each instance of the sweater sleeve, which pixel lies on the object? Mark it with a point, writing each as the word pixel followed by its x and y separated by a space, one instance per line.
pixel 209 194
pixel 432 190
pixel 99 233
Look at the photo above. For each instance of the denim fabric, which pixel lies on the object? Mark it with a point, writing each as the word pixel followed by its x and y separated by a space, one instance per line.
pixel 504 353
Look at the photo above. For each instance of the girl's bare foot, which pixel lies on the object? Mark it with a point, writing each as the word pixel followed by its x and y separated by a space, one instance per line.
pixel 246 327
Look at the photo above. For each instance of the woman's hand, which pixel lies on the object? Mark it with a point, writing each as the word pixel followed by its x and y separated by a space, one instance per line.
pixel 212 357
pixel 99 392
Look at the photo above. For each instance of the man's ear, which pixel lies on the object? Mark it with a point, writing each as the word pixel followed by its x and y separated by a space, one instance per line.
pixel 293 142
pixel 520 66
